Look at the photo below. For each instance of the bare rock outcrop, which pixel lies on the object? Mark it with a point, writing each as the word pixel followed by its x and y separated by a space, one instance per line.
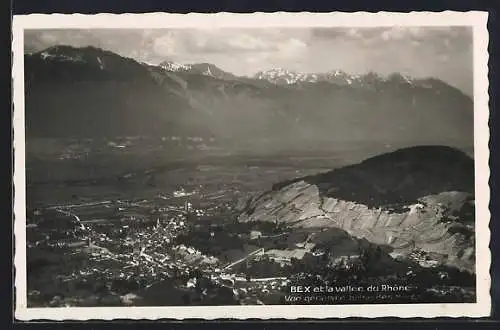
pixel 413 198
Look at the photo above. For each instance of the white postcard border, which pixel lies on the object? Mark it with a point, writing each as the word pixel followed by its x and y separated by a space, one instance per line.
pixel 477 20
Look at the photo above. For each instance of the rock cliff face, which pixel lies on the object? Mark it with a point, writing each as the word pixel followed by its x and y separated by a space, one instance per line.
pixel 413 198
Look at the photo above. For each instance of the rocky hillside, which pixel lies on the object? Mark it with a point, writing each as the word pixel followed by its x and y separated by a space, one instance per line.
pixel 413 198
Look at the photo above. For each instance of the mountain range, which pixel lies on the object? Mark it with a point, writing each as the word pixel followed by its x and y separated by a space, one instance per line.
pixel 89 92
pixel 418 198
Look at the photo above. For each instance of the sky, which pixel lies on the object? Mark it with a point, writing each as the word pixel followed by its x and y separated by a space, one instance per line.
pixel 441 52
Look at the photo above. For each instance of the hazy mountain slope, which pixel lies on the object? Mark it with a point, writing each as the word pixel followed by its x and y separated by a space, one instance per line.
pixel 386 109
pixel 393 113
pixel 88 91
pixel 421 197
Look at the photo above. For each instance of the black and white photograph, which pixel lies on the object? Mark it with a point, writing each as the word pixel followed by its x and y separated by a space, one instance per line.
pixel 279 165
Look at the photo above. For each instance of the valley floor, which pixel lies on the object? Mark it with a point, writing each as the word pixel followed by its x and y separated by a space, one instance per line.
pixel 113 227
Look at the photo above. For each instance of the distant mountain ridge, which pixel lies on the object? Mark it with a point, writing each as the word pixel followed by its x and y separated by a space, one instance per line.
pixel 280 76
pixel 109 94
pixel 206 69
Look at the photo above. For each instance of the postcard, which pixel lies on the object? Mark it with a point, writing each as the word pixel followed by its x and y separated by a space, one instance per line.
pixel 264 166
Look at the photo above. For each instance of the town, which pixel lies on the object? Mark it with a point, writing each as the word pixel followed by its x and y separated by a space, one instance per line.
pixel 186 247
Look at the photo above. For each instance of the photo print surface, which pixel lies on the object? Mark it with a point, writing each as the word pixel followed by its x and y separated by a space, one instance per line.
pixel 206 167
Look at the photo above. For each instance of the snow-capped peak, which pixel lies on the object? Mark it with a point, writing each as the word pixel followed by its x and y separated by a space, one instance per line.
pixel 205 69
pixel 55 53
pixel 408 79
pixel 174 67
pixel 89 54
pixel 207 72
pixel 287 77
pixel 283 76
pixel 400 78
pixel 101 64
pixel 336 73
